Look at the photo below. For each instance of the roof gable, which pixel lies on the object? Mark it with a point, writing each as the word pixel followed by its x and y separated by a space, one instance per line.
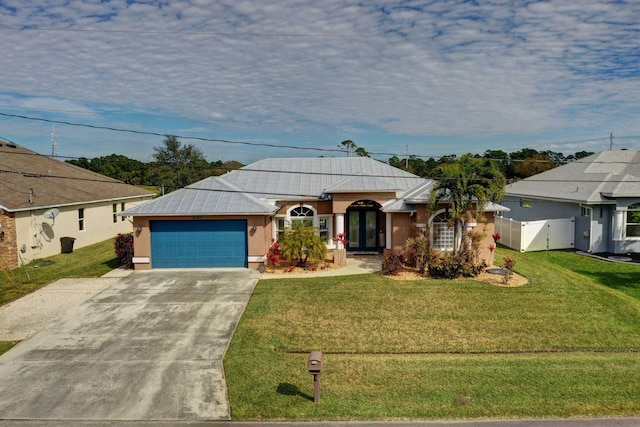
pixel 30 180
pixel 294 178
pixel 593 179
pixel 212 195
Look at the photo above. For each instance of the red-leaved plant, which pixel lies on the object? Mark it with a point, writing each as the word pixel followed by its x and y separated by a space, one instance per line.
pixel 341 238
pixel 273 254
pixel 123 245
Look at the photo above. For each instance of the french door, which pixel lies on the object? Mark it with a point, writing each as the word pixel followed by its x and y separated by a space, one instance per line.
pixel 362 230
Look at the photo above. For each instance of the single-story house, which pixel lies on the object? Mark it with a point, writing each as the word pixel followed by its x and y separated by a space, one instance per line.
pixel 43 200
pixel 602 193
pixel 230 220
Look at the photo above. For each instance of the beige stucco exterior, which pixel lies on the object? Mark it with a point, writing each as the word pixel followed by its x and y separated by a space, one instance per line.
pixel 257 241
pixel 395 228
pixel 29 235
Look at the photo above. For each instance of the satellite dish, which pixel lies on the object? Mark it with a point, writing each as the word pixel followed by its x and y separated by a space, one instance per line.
pixel 52 214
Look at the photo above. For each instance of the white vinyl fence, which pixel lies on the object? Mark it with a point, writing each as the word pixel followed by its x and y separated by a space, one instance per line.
pixel 530 236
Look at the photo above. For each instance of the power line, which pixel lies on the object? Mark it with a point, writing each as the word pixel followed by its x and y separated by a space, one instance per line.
pixel 195 138
pixel 259 144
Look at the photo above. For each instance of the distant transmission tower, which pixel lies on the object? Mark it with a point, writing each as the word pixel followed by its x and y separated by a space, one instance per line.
pixel 54 144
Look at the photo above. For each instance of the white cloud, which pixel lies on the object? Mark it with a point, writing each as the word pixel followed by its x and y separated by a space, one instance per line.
pixel 280 69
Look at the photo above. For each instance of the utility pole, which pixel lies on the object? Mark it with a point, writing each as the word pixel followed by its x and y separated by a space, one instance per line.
pixel 54 144
pixel 406 152
pixel 611 141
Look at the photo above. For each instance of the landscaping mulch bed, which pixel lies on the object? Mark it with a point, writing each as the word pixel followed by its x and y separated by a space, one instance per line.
pixel 409 273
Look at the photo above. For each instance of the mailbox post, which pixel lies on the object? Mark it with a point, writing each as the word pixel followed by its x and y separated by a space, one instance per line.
pixel 314 366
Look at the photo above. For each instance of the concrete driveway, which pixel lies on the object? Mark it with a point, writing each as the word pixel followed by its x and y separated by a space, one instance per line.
pixel 147 347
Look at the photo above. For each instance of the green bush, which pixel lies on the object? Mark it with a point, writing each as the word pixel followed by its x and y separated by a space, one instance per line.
pixel 452 266
pixel 393 262
pixel 421 253
pixel 301 243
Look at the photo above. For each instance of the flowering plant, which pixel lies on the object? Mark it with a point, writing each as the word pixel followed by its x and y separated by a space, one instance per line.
pixel 496 236
pixel 341 238
pixel 273 254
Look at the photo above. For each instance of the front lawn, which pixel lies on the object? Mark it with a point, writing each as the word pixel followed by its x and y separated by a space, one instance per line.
pixel 566 345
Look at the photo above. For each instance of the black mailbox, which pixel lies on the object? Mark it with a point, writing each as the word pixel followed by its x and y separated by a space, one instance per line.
pixel 314 364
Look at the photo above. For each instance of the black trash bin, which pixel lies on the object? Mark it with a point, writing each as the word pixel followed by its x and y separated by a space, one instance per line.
pixel 67 244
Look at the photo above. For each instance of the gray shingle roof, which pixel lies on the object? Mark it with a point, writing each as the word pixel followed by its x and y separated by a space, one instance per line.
pixel 52 182
pixel 593 179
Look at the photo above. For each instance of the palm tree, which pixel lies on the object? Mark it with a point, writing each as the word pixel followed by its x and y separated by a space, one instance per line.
pixel 301 242
pixel 465 187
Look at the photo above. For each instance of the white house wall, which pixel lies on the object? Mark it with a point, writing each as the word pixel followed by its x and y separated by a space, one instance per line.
pixel 38 237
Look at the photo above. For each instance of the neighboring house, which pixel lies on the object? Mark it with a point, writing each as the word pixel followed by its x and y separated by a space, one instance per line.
pixel 602 193
pixel 43 200
pixel 229 221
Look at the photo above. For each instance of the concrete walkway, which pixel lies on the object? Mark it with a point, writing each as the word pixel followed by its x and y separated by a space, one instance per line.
pixel 147 347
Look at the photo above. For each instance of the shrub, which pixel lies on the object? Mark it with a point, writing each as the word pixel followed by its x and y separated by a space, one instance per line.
pixel 421 252
pixel 452 266
pixel 392 262
pixel 301 243
pixel 508 265
pixel 124 249
pixel 273 254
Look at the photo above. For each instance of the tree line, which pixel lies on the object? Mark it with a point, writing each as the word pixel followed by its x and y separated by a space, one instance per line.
pixel 176 165
pixel 517 165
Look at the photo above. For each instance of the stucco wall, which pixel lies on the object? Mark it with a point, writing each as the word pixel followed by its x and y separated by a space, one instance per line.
pixel 322 207
pixel 39 237
pixel 342 201
pixel 257 241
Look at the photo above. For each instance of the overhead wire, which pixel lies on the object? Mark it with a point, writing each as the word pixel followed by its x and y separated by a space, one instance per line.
pixel 259 144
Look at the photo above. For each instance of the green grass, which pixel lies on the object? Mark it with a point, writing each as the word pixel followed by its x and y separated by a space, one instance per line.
pixel 620 276
pixel 90 261
pixel 566 345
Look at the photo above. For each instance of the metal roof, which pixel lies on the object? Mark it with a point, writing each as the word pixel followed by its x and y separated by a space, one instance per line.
pixel 211 196
pixel 254 189
pixel 248 190
pixel 294 178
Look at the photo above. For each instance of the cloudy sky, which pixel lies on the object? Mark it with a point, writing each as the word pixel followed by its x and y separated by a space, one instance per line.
pixel 431 77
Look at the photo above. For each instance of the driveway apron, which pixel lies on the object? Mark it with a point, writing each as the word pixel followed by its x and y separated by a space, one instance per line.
pixel 149 347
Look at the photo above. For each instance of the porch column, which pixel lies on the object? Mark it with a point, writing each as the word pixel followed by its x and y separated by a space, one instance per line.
pixel 339 227
pixel 618 226
pixel 389 230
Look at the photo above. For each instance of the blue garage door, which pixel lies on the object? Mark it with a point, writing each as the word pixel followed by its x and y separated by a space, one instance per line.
pixel 193 244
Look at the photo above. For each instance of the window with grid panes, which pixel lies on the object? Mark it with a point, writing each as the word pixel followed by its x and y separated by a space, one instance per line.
pixel 633 221
pixel 442 232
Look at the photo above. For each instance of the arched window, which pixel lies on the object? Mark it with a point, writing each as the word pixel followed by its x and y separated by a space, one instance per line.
pixel 633 221
pixel 442 232
pixel 300 213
